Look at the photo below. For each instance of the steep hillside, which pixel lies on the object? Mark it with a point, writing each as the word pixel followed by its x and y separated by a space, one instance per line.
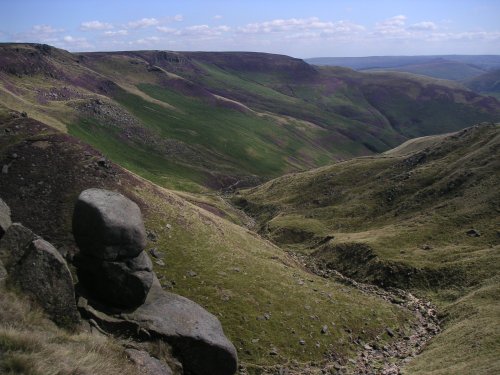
pixel 196 121
pixel 265 299
pixel 487 83
pixel 423 216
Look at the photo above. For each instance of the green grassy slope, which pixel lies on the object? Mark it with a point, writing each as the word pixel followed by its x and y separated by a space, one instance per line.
pixel 401 219
pixel 265 299
pixel 198 121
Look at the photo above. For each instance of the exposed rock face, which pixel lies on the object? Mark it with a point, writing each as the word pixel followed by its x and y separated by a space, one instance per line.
pixel 120 284
pixel 107 225
pixel 39 270
pixel 195 334
pixel 14 244
pixel 116 272
pixel 44 274
pixel 146 364
pixel 5 221
pixel 110 233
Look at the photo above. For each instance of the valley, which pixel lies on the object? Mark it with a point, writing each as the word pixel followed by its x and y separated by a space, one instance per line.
pixel 334 221
pixel 268 114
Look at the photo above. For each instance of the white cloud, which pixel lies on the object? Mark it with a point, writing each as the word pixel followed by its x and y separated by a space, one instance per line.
pixel 393 26
pixel 165 29
pixel 178 18
pixel 203 31
pixel 142 23
pixel 217 17
pixel 46 29
pixel 116 33
pixel 39 34
pixel 74 43
pixel 311 27
pixel 424 25
pixel 146 42
pixel 95 25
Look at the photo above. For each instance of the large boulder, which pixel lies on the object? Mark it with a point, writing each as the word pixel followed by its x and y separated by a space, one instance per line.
pixel 14 244
pixel 195 335
pixel 5 220
pixel 121 284
pixel 43 273
pixel 108 225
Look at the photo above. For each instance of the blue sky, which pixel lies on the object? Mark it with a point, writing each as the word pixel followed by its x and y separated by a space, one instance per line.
pixel 297 28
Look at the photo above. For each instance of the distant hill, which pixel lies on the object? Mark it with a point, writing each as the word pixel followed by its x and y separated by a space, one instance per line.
pixel 454 67
pixel 487 83
pixel 197 121
pixel 441 68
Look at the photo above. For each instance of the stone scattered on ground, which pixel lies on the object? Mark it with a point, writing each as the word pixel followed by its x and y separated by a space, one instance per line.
pixel 473 233
pixel 155 253
pixel 389 359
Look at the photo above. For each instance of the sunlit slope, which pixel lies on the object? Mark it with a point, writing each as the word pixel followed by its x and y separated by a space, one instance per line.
pixel 197 121
pixel 423 216
pixel 265 300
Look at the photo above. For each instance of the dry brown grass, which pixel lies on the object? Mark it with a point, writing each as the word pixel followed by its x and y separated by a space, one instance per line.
pixel 31 344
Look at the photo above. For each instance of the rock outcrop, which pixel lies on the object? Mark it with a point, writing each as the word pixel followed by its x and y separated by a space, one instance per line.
pixel 44 275
pixel 108 225
pixel 111 266
pixel 14 244
pixel 5 220
pixel 122 284
pixel 195 334
pixel 146 364
pixel 39 270
pixel 124 295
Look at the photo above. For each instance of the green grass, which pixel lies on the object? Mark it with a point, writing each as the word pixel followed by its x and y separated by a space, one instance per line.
pixel 137 158
pixel 240 278
pixel 398 206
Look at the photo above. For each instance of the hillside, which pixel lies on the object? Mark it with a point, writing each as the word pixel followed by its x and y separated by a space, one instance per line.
pixel 487 83
pixel 453 67
pixel 266 300
pixel 200 121
pixel 423 216
pixel 440 68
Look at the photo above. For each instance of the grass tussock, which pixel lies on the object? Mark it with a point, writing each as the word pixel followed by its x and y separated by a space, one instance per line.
pixel 30 344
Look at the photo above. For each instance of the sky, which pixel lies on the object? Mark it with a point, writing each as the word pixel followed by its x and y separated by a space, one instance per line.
pixel 311 28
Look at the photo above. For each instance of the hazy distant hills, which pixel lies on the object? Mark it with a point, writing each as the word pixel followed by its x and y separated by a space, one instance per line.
pixel 206 120
pixel 453 67
pixel 487 83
